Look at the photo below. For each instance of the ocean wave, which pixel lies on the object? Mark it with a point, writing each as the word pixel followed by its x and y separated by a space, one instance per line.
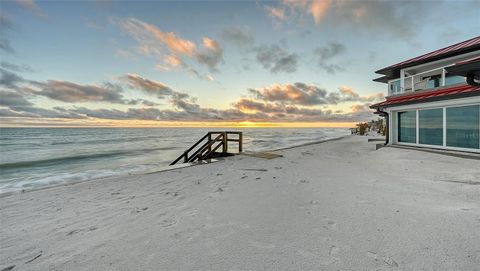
pixel 108 140
pixel 76 158
pixel 66 177
pixel 88 155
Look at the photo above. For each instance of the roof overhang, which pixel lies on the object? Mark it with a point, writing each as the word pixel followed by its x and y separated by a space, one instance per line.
pixel 465 68
pixel 383 79
pixel 449 51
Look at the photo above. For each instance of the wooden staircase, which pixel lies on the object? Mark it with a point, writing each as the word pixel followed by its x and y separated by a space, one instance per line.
pixel 211 145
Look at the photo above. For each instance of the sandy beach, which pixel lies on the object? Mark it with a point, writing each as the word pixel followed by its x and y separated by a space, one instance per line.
pixel 338 205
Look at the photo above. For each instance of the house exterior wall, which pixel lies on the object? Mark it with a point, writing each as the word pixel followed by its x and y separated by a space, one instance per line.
pixel 440 105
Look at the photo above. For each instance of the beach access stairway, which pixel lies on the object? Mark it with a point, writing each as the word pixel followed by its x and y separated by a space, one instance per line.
pixel 211 145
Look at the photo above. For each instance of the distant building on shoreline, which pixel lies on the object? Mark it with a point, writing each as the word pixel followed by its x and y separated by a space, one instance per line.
pixel 433 100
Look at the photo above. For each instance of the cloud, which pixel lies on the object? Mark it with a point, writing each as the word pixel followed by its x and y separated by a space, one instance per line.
pixel 108 92
pixel 172 49
pixel 278 13
pixel 13 99
pixel 211 55
pixel 16 105
pixel 178 99
pixel 289 112
pixel 251 105
pixel 276 59
pixel 309 95
pixel 346 94
pixel 300 102
pixel 147 102
pixel 32 6
pixel 275 103
pixel 331 50
pixel 399 19
pixel 327 53
pixel 272 57
pixel 184 102
pixel 298 9
pixel 148 86
pixel 5 26
pixel 74 93
pixel 240 36
pixel 152 39
pixel 359 107
pixel 298 93
pixel 9 79
pixel 15 67
pixel 5 22
pixel 318 9
pixel 5 45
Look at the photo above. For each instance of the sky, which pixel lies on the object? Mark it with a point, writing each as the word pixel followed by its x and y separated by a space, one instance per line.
pixel 211 63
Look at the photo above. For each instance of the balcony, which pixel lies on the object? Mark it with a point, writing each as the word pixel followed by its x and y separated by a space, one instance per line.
pixel 412 80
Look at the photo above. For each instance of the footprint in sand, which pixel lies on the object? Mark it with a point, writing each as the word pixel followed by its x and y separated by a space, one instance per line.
pixel 330 224
pixel 73 232
pixel 8 268
pixel 168 222
pixel 187 235
pixel 139 210
pixel 383 259
pixel 334 251
pixel 192 212
pixel 91 228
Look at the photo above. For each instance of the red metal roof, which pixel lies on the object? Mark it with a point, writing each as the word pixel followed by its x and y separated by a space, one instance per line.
pixel 466 90
pixel 436 54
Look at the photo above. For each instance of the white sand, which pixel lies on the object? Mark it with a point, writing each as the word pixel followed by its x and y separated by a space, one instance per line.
pixel 333 206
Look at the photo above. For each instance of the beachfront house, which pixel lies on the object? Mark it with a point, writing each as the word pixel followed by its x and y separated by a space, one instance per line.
pixel 433 100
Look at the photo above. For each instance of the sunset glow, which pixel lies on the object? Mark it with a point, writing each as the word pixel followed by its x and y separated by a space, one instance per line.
pixel 235 64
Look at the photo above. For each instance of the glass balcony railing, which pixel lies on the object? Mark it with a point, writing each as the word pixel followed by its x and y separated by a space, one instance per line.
pixel 430 79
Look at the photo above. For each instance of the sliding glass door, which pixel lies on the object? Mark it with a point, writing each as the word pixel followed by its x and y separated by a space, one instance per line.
pixel 463 126
pixel 450 127
pixel 430 123
pixel 407 126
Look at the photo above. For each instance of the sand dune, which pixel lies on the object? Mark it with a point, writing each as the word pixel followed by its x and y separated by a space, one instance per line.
pixel 338 205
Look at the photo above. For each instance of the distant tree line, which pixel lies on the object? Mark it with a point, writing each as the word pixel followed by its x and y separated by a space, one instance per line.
pixel 366 128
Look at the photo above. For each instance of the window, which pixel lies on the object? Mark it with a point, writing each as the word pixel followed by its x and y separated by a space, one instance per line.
pixel 433 81
pixel 453 79
pixel 407 127
pixel 463 126
pixel 395 87
pixel 430 126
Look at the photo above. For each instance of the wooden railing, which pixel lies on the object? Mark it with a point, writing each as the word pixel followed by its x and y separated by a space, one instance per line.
pixel 207 147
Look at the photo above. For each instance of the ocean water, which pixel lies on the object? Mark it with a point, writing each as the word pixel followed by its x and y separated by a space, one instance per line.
pixel 38 157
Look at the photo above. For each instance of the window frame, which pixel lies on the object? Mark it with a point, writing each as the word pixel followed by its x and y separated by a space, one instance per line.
pixel 419 126
pixel 440 105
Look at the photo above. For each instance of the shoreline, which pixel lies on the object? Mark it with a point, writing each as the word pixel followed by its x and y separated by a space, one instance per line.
pixel 335 205
pixel 160 169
